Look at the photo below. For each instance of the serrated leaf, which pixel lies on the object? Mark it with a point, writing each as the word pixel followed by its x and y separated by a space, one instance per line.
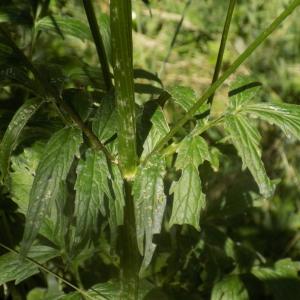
pixel 245 138
pixel 285 116
pixel 230 288
pixel 90 186
pixel 188 198
pixel 52 169
pixel 13 131
pixel 192 150
pixel 150 202
pixel 12 268
pixel 185 97
pixel 243 90
pixel 158 130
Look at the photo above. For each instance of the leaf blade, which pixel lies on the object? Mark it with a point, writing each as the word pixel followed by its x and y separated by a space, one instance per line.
pixel 52 169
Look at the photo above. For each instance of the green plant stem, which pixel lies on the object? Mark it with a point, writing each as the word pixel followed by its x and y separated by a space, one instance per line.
pixel 210 91
pixel 222 45
pixel 130 257
pixel 121 34
pixel 90 14
pixel 50 93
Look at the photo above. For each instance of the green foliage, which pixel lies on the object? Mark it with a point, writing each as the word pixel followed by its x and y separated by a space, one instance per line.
pixel 96 168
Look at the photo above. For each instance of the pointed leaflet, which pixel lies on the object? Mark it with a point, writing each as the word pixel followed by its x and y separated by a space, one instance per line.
pixel 230 288
pixel 12 268
pixel 158 130
pixel 91 184
pixel 52 169
pixel 285 116
pixel 150 202
pixel 245 138
pixel 188 197
pixel 10 139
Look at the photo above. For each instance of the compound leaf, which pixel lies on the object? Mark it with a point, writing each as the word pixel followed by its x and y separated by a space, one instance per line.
pixel 51 171
pixel 13 131
pixel 150 202
pixel 245 138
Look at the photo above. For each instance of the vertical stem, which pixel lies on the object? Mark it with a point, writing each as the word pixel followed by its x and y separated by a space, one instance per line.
pixel 90 14
pixel 121 33
pixel 222 45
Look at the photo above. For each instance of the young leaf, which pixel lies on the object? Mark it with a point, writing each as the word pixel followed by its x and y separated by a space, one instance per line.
pixel 10 139
pixel 245 138
pixel 285 116
pixel 158 130
pixel 188 198
pixel 91 184
pixel 150 202
pixel 52 169
pixel 230 288
pixel 12 268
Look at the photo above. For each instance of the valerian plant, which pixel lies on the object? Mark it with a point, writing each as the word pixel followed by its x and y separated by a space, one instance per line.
pixel 102 178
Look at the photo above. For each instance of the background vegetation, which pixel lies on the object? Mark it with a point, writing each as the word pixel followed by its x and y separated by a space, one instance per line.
pixel 242 234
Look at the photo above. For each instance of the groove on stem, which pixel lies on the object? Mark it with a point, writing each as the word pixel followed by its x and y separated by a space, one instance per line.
pixel 210 91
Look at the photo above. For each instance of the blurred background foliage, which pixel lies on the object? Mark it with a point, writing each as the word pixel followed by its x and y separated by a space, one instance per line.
pixel 240 230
